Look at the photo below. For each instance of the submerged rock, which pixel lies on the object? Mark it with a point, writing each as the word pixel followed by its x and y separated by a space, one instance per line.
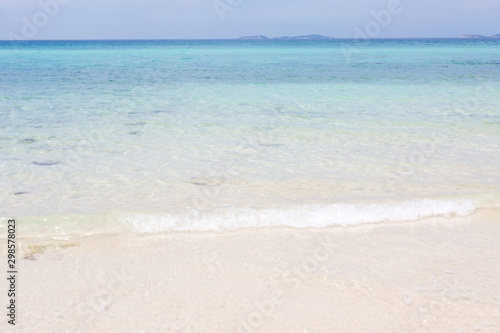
pixel 46 163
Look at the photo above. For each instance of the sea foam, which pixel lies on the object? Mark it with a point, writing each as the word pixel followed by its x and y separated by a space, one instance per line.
pixel 302 216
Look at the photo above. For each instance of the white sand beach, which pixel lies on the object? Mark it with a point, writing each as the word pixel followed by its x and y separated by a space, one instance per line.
pixel 433 275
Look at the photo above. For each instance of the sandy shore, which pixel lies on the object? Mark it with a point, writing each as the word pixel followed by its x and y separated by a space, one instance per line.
pixel 437 275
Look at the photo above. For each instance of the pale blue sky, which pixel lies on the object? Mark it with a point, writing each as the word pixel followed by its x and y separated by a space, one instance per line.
pixel 172 19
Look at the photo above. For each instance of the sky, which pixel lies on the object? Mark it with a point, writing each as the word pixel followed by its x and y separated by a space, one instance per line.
pixel 214 19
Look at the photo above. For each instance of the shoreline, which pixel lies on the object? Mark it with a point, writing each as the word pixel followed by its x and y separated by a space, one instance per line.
pixel 437 274
pixel 224 218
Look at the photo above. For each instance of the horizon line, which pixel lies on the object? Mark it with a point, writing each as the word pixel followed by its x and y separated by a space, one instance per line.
pixel 240 38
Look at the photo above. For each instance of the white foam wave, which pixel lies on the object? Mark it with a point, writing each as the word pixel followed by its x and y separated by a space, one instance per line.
pixel 304 216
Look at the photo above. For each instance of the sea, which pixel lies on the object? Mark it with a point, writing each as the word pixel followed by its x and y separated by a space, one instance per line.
pixel 155 136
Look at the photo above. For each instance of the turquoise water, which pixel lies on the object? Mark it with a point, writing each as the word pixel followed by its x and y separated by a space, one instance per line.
pixel 202 135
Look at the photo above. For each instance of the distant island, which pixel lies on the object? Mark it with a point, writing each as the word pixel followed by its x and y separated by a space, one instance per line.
pixel 305 37
pixel 480 36
pixel 322 37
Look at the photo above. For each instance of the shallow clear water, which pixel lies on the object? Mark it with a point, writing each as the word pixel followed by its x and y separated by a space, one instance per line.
pixel 247 133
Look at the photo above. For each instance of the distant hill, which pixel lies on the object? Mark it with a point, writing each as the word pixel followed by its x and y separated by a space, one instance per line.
pixel 306 37
pixel 473 36
pixel 479 36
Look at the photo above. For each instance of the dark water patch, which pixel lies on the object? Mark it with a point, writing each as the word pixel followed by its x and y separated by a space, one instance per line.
pixel 28 141
pixel 137 123
pixel 162 111
pixel 492 123
pixel 135 133
pixel 46 163
pixel 21 192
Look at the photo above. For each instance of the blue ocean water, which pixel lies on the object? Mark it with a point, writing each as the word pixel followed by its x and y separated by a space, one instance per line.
pixel 199 135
